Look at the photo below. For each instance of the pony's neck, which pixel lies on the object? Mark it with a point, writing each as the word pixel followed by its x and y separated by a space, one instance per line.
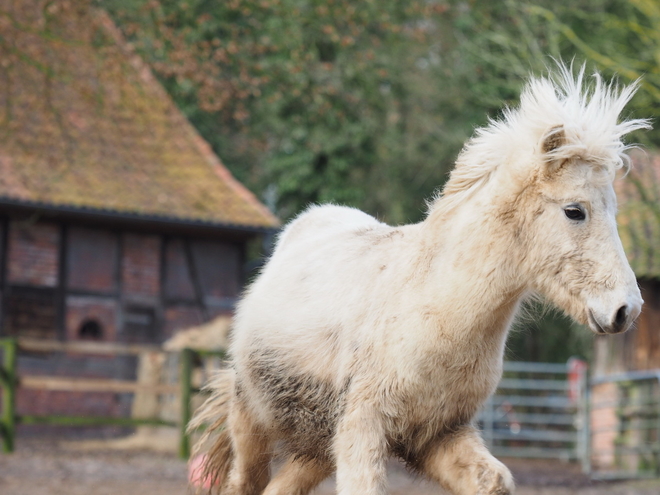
pixel 473 262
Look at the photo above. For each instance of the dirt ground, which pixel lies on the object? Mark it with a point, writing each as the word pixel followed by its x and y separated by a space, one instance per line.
pixel 52 467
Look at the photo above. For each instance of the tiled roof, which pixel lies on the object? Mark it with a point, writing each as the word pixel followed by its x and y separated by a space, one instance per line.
pixel 84 124
pixel 639 213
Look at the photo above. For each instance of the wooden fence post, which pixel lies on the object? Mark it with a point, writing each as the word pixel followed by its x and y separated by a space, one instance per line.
pixel 8 385
pixel 186 392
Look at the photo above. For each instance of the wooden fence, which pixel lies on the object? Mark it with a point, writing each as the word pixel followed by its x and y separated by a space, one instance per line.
pixel 10 381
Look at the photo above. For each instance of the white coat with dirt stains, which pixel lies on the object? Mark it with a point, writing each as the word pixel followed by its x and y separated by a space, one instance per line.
pixel 360 341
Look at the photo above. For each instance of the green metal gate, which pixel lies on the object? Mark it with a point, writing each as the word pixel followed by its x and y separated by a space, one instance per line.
pixel 8 385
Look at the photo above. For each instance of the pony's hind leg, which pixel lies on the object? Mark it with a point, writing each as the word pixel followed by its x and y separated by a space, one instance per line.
pixel 461 463
pixel 298 477
pixel 250 470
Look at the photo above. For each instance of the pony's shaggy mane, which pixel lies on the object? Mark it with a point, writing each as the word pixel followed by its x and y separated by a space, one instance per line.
pixel 585 113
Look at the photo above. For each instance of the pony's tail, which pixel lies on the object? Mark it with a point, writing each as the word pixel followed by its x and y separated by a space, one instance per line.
pixel 215 443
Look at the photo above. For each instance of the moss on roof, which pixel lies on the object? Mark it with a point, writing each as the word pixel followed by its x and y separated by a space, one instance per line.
pixel 639 214
pixel 84 123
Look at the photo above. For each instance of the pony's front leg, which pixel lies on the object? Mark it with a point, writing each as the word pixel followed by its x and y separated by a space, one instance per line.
pixel 360 451
pixel 461 463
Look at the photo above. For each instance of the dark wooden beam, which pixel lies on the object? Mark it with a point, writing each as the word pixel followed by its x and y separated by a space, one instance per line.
pixel 60 289
pixel 160 310
pixel 194 276
pixel 4 245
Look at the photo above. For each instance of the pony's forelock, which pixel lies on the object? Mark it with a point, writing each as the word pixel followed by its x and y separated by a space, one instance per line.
pixel 586 109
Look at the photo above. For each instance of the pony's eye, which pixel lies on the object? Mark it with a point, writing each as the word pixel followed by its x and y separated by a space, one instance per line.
pixel 574 212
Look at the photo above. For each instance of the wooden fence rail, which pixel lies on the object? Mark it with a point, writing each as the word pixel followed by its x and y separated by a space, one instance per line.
pixel 82 347
pixel 62 383
pixel 10 381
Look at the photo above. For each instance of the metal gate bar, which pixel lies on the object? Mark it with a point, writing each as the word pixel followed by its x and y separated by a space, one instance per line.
pixel 533 414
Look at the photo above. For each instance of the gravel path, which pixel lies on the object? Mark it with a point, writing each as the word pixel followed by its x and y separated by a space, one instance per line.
pixel 51 468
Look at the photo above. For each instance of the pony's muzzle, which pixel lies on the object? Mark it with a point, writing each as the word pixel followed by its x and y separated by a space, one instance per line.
pixel 617 322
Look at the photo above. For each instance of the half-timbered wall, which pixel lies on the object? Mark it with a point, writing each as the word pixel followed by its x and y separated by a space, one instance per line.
pixel 74 282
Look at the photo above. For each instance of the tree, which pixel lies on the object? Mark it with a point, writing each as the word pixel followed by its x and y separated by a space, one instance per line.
pixel 317 100
pixel 505 41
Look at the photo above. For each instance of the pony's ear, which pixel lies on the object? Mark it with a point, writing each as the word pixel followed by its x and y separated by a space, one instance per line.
pixel 553 139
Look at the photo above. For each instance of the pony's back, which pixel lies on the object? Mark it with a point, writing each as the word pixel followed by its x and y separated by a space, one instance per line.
pixel 313 288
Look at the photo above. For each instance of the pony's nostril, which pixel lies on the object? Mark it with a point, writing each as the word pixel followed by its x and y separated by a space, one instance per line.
pixel 621 316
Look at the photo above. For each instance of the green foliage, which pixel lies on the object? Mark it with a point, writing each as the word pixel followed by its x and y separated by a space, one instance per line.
pixel 325 100
pixel 505 41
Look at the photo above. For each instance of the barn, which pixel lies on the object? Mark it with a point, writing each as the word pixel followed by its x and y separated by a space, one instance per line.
pixel 118 223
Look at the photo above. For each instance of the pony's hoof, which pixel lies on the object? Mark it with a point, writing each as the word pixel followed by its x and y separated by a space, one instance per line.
pixel 497 482
pixel 501 487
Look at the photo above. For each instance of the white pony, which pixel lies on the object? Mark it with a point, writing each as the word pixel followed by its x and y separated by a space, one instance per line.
pixel 360 341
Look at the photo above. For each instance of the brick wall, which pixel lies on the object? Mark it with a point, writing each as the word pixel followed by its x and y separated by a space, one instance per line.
pixel 80 309
pixel 140 268
pixel 48 402
pixel 30 312
pixel 45 402
pixel 33 254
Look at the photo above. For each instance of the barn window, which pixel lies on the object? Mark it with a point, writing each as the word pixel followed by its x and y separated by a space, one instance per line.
pixel 139 325
pixel 90 330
